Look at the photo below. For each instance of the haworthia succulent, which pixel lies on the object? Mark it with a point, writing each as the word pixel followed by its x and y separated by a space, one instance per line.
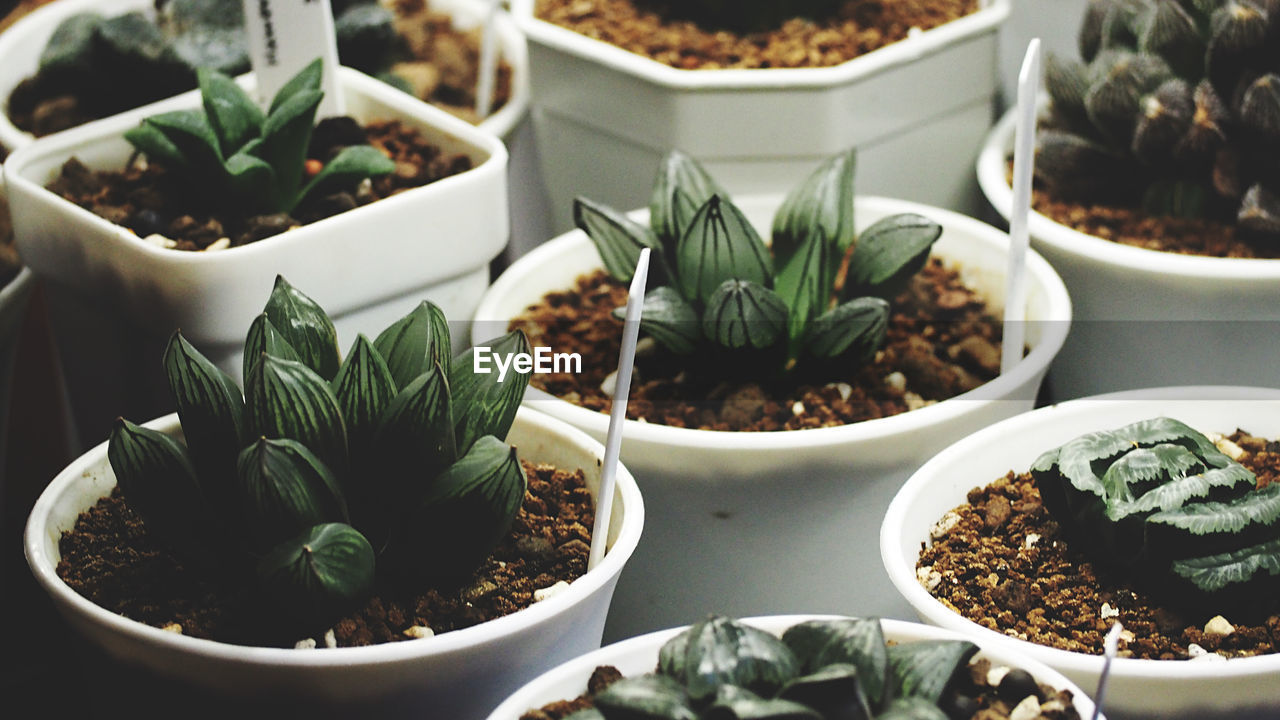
pixel 491 398
pixel 211 409
pixel 305 326
pixel 617 238
pixel 415 343
pixel 286 399
pixel 318 574
pixel 286 489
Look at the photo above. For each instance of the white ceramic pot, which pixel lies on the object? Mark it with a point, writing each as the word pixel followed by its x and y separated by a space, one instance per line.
pixel 21 45
pixel 13 309
pixel 1144 317
pixel 640 655
pixel 751 523
pixel 461 674
pixel 1238 688
pixel 115 297
pixel 916 109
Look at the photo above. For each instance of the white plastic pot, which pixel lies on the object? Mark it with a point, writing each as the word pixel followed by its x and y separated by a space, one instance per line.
pixel 757 522
pixel 604 117
pixel 1237 688
pixel 461 674
pixel 640 655
pixel 1143 317
pixel 115 298
pixel 21 45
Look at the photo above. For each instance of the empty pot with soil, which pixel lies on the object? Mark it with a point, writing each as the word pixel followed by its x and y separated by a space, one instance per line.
pixel 1002 562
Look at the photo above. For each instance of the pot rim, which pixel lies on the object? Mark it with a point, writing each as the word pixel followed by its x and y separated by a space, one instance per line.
pixel 989 16
pixel 1058 311
pixel 1063 239
pixel 893 529
pixel 492 630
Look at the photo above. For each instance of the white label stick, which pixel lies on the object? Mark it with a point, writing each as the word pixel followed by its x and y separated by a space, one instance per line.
pixel 287 35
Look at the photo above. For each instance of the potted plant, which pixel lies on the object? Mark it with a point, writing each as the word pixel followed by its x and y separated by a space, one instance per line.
pixel 1159 426
pixel 740 493
pixel 1099 161
pixel 928 95
pixel 817 661
pixel 378 475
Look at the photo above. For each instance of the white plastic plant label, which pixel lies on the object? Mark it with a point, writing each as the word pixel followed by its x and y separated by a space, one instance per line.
pixel 284 37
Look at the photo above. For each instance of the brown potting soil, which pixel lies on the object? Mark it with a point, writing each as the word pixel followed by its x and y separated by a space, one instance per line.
pixel 941 342
pixel 1005 565
pixel 110 559
pixel 144 197
pixel 859 27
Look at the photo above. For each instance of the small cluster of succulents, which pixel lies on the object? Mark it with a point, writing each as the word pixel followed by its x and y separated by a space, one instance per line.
pixel 821 291
pixel 244 160
pixel 1175 106
pixel 839 669
pixel 322 471
pixel 751 15
pixel 1164 504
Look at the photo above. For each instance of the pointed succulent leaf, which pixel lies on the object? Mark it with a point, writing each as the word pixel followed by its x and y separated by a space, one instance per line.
pixel 646 697
pixel 804 284
pixel 1234 568
pixel 151 141
pixel 189 132
pixel 158 480
pixel 415 343
pixel 912 708
pixel 305 326
pixel 364 389
pixel 889 253
pixel 286 133
pixel 307 80
pixel 1163 120
pixel 1067 81
pixel 1207 133
pixel 285 489
pixel 722 651
pixel 287 399
pixel 1074 166
pixel 1123 78
pixel 1260 211
pixel 211 408
pixel 682 186
pixel 416 435
pixel 857 327
pixel 735 703
pixel 234 116
pixel 1260 109
pixel 250 179
pixel 821 205
pixel 834 691
pixel 923 669
pixel 617 238
pixel 741 314
pixel 1169 31
pixel 668 319
pixel 319 574
pixel 853 642
pixel 720 244
pixel 346 170
pixel 1120 23
pixel 1237 31
pixel 70 47
pixel 264 339
pixel 485 403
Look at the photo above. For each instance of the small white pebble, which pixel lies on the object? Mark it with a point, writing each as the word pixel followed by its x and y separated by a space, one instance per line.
pixel 879 356
pixel 502 563
pixel 1206 656
pixel 1028 709
pixel 305 644
pixel 1228 448
pixel 944 525
pixel 928 577
pixel 1053 706
pixel 1127 636
pixel 160 241
pixel 896 381
pixel 996 674
pixel 646 346
pixel 798 408
pixel 845 390
pixel 220 244
pixel 173 627
pixel 915 402
pixel 1108 611
pixel 1218 626
pixel 544 593
pixel 1195 651
pixel 417 632
pixel 330 640
pixel 609 385
pixel 1031 540
pixel 914 31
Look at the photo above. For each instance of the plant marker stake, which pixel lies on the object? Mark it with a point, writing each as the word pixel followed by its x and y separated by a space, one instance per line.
pixel 1015 302
pixel 1110 647
pixel 488 62
pixel 284 37
pixel 613 439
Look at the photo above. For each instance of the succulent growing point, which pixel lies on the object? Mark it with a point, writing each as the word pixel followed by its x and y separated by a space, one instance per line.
pixel 715 284
pixel 751 15
pixel 1160 501
pixel 321 468
pixel 1176 106
pixel 240 157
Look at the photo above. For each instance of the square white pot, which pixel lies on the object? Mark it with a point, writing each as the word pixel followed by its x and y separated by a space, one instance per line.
pixel 916 110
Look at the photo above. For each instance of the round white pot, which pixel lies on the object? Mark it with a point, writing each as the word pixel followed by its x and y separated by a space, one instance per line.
pixel 13 309
pixel 1237 688
pixel 114 298
pixel 752 523
pixel 21 45
pixel 640 655
pixel 1143 317
pixel 915 110
pixel 461 674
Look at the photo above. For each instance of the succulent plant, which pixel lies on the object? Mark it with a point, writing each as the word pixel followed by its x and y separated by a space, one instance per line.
pixel 1176 106
pixel 751 15
pixel 838 669
pixel 240 157
pixel 321 468
pixel 1161 502
pixel 821 291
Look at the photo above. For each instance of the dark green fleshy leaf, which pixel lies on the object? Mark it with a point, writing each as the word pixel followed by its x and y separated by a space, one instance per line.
pixel 668 319
pixel 856 642
pixel 211 408
pixel 743 314
pixel 857 327
pixel 305 326
pixel 682 186
pixel 264 339
pixel 734 703
pixel 924 668
pixel 889 253
pixel 648 697
pixel 415 343
pixel 722 651
pixel 316 576
pixel 284 490
pixel 617 238
pixel 287 399
pixel 234 117
pixel 720 244
pixel 158 480
pixel 346 170
pixel 485 403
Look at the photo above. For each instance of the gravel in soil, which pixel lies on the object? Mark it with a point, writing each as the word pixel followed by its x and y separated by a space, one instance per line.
pixel 942 341
pixel 110 559
pixel 1001 561
pixel 144 197
pixel 643 27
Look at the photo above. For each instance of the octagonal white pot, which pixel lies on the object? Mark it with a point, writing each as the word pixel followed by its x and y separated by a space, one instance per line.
pixel 757 522
pixel 1144 317
pixel 640 655
pixel 461 674
pixel 1237 688
pixel 916 110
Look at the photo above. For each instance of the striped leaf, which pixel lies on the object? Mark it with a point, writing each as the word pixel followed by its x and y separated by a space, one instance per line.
pixel 211 408
pixel 416 436
pixel 617 238
pixel 1237 567
pixel 821 205
pixel 743 314
pixel 720 244
pixel 287 399
pixel 857 327
pixel 318 575
pixel 889 253
pixel 364 388
pixel 305 326
pixel 285 489
pixel 264 339
pixel 924 668
pixel 682 186
pixel 668 319
pixel 415 342
pixel 857 642
pixel 233 115
pixel 804 284
pixel 482 404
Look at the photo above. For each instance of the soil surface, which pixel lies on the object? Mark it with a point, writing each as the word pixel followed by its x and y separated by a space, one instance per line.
pixel 110 559
pixel 859 27
pixel 145 198
pixel 941 342
pixel 1001 561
